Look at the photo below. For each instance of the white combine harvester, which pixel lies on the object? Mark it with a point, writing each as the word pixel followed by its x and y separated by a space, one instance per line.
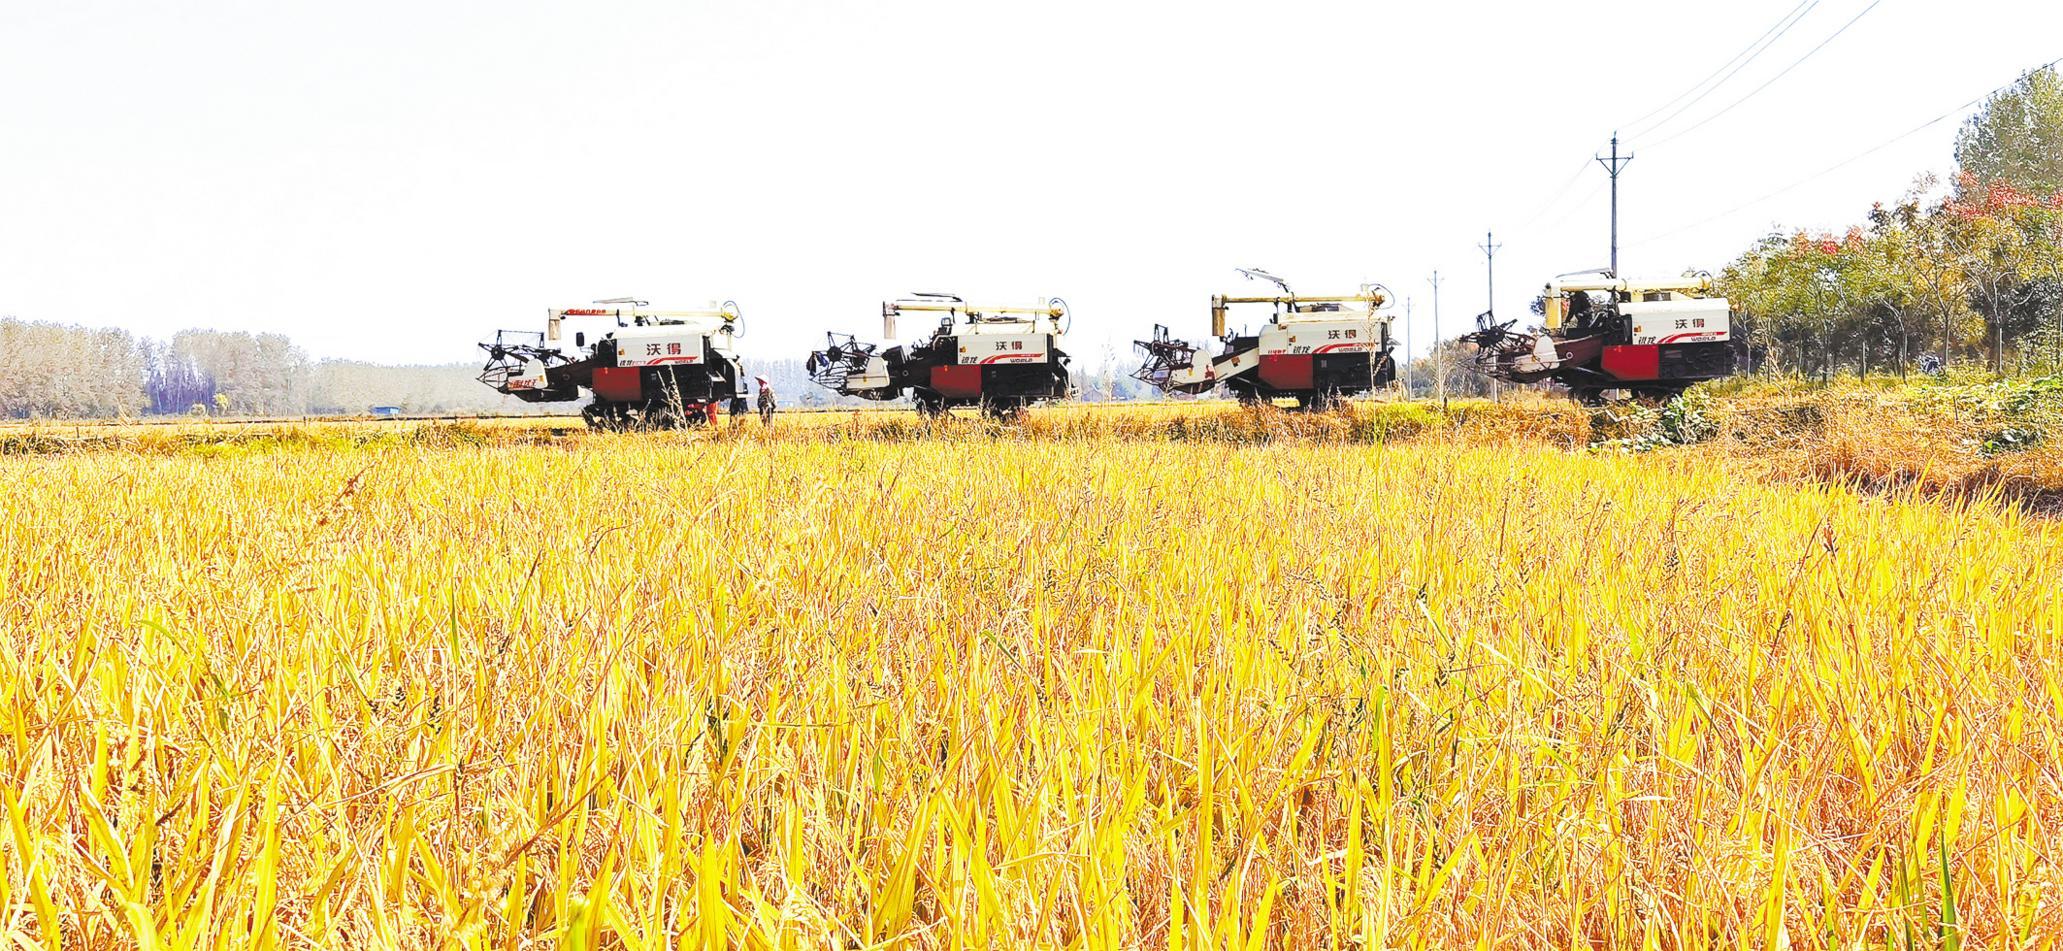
pixel 1316 350
pixel 1603 336
pixel 648 369
pixel 1001 359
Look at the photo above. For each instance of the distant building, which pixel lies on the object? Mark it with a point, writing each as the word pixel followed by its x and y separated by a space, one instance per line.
pixel 386 411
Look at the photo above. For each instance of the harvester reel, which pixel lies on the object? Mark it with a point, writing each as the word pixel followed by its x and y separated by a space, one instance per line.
pixel 506 358
pixel 838 361
pixel 1163 356
pixel 1497 346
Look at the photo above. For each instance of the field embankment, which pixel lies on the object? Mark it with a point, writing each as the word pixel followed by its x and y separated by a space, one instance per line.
pixel 2003 439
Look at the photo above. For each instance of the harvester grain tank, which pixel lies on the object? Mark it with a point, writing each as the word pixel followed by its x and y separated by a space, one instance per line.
pixel 1602 334
pixel 1001 359
pixel 647 369
pixel 1316 350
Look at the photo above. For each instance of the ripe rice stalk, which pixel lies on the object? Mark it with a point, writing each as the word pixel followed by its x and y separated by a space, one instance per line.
pixel 1182 675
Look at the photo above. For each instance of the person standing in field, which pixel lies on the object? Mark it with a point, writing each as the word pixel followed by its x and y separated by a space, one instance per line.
pixel 766 401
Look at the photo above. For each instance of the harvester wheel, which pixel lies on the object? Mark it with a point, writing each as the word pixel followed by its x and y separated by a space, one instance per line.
pixel 929 405
pixel 601 417
pixel 1317 401
pixel 1385 372
pixel 1002 409
pixel 659 416
pixel 1661 394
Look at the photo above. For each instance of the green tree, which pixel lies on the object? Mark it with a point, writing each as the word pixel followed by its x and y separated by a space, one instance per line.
pixel 2016 137
pixel 1749 285
pixel 1885 283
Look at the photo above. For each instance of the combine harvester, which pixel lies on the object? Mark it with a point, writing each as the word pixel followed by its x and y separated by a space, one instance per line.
pixel 1317 350
pixel 1001 359
pixel 648 369
pixel 1604 336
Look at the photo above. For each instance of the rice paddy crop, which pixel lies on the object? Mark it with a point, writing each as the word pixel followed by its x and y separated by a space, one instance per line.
pixel 867 684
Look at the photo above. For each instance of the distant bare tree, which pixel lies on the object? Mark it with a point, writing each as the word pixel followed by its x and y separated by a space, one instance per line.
pixel 58 370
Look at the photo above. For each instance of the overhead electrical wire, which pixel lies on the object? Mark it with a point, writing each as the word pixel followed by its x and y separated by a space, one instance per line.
pixel 1844 163
pixel 1729 69
pixel 1555 197
pixel 1580 204
pixel 1726 72
pixel 1752 51
pixel 1769 82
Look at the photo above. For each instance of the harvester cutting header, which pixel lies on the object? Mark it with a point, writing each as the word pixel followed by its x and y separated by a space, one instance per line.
pixel 654 369
pixel 1603 333
pixel 1001 359
pixel 1315 349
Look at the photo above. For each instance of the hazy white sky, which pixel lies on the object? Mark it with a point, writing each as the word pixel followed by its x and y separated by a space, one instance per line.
pixel 393 181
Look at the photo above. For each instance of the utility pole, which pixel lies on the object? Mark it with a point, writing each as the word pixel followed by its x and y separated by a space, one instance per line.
pixel 1490 248
pixel 1489 317
pixel 1401 375
pixel 1612 166
pixel 1439 368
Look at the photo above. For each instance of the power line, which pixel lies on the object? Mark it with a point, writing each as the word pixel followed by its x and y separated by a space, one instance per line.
pixel 1595 189
pixel 1753 51
pixel 1844 163
pixel 1552 199
pixel 1771 81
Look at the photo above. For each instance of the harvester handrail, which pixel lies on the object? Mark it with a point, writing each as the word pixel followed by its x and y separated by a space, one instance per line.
pixel 954 308
pixel 621 312
pixel 1701 284
pixel 1376 299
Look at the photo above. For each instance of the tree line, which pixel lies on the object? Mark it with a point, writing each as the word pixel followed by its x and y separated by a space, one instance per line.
pixel 64 371
pixel 1967 274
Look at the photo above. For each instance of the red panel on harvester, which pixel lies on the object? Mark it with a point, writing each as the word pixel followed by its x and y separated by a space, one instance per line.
pixel 1633 363
pixel 619 384
pixel 1287 371
pixel 957 380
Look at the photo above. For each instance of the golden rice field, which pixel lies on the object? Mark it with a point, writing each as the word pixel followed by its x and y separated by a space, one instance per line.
pixel 1186 678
